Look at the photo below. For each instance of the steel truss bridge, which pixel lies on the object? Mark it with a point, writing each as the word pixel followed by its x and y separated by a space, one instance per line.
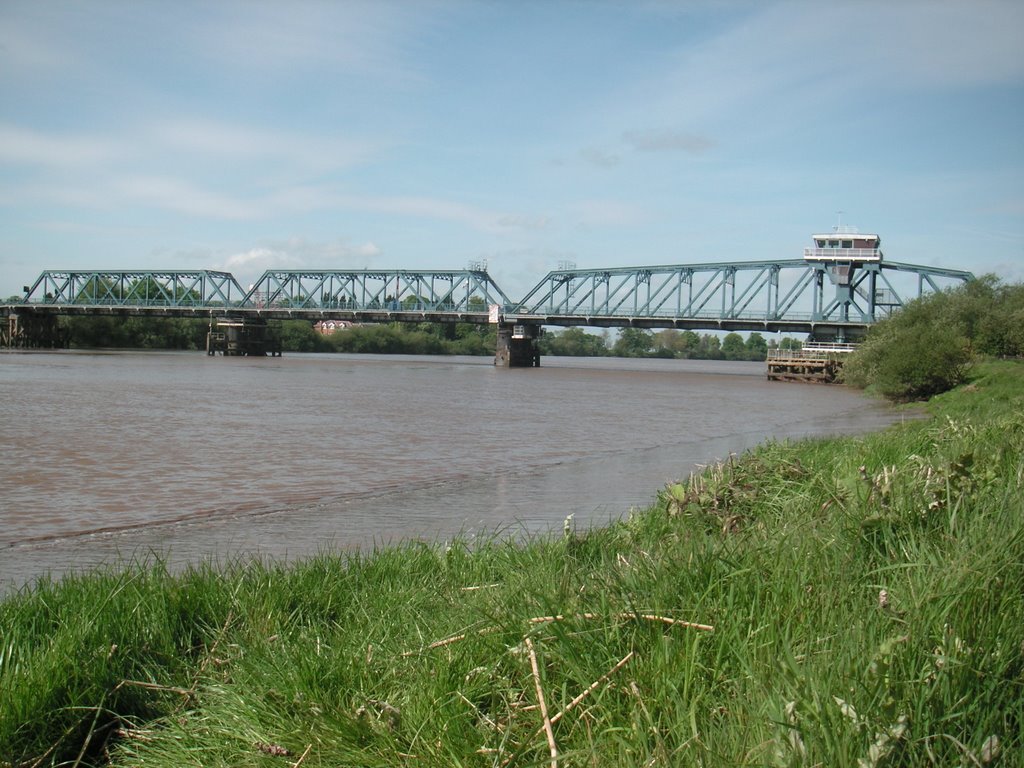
pixel 788 295
pixel 370 295
pixel 828 298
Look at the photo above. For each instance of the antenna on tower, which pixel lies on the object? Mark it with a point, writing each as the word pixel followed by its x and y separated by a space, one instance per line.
pixel 839 221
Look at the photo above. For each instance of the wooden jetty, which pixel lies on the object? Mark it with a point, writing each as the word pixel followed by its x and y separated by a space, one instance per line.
pixel 819 363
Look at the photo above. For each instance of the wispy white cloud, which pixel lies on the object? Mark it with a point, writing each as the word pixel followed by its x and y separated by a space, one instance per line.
pixel 28 48
pixel 607 213
pixel 278 153
pixel 299 253
pixel 667 141
pixel 438 209
pixel 939 43
pixel 524 221
pixel 182 196
pixel 26 147
pixel 275 39
pixel 790 58
pixel 261 258
pixel 601 158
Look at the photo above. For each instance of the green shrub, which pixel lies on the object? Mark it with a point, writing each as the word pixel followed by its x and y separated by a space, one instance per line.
pixel 928 346
pixel 911 363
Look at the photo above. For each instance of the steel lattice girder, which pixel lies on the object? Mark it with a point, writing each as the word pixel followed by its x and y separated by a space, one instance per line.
pixel 722 291
pixel 150 288
pixel 357 290
pixel 763 292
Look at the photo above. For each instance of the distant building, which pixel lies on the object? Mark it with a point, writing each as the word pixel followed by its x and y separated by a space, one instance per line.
pixel 327 327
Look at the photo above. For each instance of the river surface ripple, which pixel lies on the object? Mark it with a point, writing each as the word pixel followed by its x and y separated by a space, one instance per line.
pixel 109 456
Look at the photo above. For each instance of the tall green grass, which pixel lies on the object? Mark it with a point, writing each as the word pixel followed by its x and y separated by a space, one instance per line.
pixel 866 596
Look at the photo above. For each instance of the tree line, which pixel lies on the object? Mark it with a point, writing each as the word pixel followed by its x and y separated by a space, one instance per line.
pixel 422 339
pixel 669 343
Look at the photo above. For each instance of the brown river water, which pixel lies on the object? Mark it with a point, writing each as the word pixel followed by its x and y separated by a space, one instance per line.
pixel 119 455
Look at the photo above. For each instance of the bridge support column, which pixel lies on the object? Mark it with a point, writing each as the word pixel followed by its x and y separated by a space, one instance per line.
pixel 237 336
pixel 518 346
pixel 28 330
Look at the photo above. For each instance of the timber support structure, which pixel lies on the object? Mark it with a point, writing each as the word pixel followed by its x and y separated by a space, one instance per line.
pixel 243 336
pixel 31 330
pixel 818 363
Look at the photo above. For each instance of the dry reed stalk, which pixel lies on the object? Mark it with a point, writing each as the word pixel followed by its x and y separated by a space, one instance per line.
pixel 88 738
pixel 156 687
pixel 53 747
pixel 589 690
pixel 646 616
pixel 592 687
pixel 476 709
pixel 543 704
pixel 208 657
pixel 436 644
pixel 672 622
pixel 298 762
pixel 450 640
pixel 136 734
pixel 559 617
pixel 640 699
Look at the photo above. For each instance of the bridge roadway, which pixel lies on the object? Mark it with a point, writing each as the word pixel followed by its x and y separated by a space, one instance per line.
pixel 783 295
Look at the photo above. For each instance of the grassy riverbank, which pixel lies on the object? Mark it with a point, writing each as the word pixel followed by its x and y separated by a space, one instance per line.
pixel 855 601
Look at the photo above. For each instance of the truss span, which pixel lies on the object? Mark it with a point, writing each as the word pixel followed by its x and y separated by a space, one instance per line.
pixel 786 295
pixel 148 288
pixel 368 295
pixel 825 298
pixel 413 291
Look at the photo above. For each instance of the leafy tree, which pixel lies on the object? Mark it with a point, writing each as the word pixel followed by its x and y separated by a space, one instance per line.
pixel 137 332
pixel 709 348
pixel 925 348
pixel 633 342
pixel 991 316
pixel 913 362
pixel 733 347
pixel 573 342
pixel 473 339
pixel 756 347
pixel 300 336
pixel 392 338
pixel 678 343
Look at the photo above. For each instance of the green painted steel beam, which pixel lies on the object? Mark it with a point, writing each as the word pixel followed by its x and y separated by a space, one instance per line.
pixel 682 295
pixel 387 290
pixel 138 288
pixel 759 290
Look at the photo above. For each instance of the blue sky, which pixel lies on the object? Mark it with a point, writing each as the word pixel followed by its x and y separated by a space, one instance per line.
pixel 431 134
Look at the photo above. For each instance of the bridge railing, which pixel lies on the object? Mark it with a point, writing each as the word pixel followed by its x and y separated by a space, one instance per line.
pixel 837 351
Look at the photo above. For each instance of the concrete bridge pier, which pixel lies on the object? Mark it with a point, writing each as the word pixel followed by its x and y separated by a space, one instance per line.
pixel 518 345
